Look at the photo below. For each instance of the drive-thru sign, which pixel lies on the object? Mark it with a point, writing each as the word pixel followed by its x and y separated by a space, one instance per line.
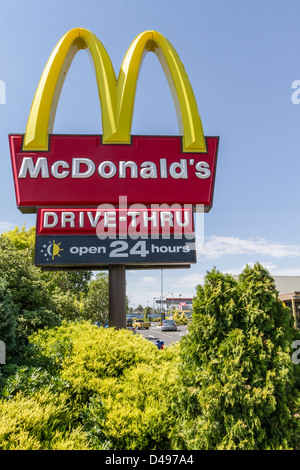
pixel 74 182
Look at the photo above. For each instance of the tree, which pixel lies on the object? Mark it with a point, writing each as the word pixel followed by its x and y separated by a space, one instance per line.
pixel 8 317
pixel 180 319
pixel 24 287
pixel 147 311
pixel 75 282
pixel 69 306
pixel 241 389
pixel 96 301
pixel 139 310
pixel 21 238
pixel 66 288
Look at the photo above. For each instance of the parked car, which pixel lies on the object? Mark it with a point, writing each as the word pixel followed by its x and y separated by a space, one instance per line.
pixel 131 328
pixel 141 324
pixel 168 325
pixel 99 323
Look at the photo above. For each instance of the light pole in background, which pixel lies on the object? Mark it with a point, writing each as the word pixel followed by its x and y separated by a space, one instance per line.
pixel 161 295
pixel 172 301
pixel 154 299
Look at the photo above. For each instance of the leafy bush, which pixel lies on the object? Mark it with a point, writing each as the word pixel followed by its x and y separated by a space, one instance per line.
pixel 229 384
pixel 116 386
pixel 95 303
pixel 24 295
pixel 180 319
pixel 8 317
pixel 68 305
pixel 42 421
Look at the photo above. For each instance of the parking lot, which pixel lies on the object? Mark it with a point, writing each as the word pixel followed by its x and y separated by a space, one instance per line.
pixel 154 333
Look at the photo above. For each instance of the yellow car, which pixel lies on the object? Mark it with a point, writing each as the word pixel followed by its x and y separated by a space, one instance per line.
pixel 139 324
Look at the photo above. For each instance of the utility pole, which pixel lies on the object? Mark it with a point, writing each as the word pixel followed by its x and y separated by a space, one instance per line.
pixel 154 299
pixel 171 308
pixel 162 316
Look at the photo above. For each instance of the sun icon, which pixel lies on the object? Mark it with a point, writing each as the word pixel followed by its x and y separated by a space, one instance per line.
pixel 56 249
pixel 53 249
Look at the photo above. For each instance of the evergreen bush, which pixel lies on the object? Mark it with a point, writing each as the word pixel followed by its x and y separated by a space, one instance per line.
pixel 8 318
pixel 240 384
pixel 24 288
pixel 114 389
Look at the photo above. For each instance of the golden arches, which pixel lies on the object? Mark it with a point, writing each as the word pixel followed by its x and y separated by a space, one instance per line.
pixel 117 96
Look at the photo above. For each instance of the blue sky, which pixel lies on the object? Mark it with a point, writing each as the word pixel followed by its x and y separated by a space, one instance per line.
pixel 241 59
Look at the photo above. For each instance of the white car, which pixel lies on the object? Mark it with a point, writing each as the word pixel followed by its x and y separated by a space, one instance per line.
pixel 168 325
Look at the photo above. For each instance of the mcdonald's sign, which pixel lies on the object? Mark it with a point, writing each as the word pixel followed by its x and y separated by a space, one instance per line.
pixel 87 170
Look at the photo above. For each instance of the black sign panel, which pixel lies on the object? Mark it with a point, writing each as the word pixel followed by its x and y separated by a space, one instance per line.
pixel 89 251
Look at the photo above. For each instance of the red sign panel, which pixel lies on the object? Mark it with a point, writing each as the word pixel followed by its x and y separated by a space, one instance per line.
pixel 81 171
pixel 110 221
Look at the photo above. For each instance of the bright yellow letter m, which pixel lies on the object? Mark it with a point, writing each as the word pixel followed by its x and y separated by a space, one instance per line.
pixel 116 95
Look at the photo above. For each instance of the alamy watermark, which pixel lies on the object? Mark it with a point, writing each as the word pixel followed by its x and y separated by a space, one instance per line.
pixel 2 92
pixel 296 354
pixel 131 221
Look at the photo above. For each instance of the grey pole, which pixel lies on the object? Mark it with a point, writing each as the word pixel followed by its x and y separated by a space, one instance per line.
pixel 162 315
pixel 117 296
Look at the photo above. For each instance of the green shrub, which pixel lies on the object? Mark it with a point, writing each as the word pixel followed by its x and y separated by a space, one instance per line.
pixel 27 295
pixel 8 318
pixel 115 387
pixel 95 302
pixel 140 412
pixel 30 380
pixel 240 385
pixel 42 421
pixel 180 318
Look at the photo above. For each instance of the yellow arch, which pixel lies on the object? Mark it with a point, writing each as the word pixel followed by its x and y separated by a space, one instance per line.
pixel 116 96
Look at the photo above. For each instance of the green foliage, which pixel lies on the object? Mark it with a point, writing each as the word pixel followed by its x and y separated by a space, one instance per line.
pixel 180 318
pixel 116 387
pixel 72 282
pixel 239 381
pixel 29 300
pixel 8 317
pixel 139 408
pixel 95 303
pixel 147 311
pixel 30 380
pixel 69 306
pixel 22 239
pixel 139 309
pixel 229 384
pixel 90 347
pixel 42 421
pixel 41 298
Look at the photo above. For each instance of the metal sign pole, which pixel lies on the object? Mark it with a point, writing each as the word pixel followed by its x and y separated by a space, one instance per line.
pixel 117 296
